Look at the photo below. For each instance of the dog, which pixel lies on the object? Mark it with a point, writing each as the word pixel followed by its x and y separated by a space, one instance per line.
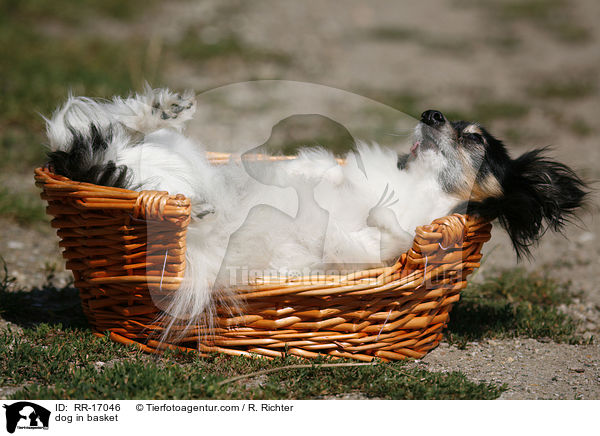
pixel 354 215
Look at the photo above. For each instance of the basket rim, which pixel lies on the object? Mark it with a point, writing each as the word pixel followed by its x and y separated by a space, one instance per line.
pixel 448 232
pixel 341 315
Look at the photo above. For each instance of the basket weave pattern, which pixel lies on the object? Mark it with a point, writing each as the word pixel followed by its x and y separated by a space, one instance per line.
pixel 390 313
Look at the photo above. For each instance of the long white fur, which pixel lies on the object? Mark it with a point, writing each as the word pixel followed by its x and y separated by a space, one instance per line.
pixel 283 217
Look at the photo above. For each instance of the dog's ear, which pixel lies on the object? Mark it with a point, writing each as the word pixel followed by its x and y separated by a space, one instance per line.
pixel 538 194
pixel 85 161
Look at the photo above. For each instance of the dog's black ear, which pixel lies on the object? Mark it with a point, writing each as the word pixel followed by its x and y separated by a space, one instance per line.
pixel 538 194
pixel 85 159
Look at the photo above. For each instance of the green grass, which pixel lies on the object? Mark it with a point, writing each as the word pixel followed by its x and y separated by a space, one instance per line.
pixel 505 42
pixel 49 49
pixel 5 280
pixel 572 89
pixel 40 66
pixel 515 303
pixel 53 362
pixel 54 355
pixel 554 17
pixel 192 47
pixel 407 102
pixel 24 208
pixel 428 41
pixel 71 11
pixel 513 135
pixel 581 127
pixel 490 110
pixel 392 33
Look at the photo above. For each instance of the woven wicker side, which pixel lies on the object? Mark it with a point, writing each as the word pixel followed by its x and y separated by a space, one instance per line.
pixel 389 313
pixel 104 235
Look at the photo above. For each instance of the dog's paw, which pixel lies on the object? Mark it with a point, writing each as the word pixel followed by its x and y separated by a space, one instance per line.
pixel 202 209
pixel 171 106
pixel 154 109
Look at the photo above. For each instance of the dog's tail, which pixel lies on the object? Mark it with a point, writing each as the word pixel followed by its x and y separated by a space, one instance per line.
pixel 85 144
pixel 538 193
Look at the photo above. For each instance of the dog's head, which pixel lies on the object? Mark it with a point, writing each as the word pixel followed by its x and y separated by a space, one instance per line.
pixel 527 194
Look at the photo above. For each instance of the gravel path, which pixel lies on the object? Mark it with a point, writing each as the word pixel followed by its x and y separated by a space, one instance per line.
pixel 532 370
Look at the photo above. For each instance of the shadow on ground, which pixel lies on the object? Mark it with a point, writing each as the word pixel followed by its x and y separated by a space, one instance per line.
pixel 45 305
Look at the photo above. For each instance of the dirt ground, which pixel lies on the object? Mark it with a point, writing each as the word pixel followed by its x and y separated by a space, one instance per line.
pixel 448 55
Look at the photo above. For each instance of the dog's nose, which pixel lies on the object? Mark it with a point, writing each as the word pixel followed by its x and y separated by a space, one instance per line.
pixel 433 118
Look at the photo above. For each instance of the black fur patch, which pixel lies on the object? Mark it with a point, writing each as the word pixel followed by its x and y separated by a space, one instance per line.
pixel 85 160
pixel 538 194
pixel 496 160
pixel 402 161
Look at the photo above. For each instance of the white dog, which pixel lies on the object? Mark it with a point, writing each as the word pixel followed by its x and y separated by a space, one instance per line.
pixel 247 217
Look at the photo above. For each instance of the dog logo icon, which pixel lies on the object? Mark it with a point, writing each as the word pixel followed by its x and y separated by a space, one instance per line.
pixel 26 415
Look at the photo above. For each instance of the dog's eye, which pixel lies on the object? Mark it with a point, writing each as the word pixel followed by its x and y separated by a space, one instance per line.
pixel 474 137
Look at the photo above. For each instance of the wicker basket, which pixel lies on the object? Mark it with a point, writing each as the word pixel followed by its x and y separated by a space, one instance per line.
pixel 390 313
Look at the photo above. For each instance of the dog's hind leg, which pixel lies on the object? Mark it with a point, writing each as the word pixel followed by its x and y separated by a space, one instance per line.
pixel 154 109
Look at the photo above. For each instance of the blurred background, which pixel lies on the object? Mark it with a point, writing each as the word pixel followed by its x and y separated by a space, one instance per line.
pixel 528 70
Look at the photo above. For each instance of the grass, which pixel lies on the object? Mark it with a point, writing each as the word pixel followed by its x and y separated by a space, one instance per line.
pixel 427 40
pixel 49 49
pixel 96 368
pixel 513 304
pixel 54 355
pixel 71 11
pixel 192 47
pixel 581 127
pixel 550 15
pixel 484 111
pixel 504 42
pixel 490 110
pixel 554 17
pixel 22 207
pixel 392 33
pixel 560 89
pixel 6 281
pixel 406 102
pixel 513 135
pixel 42 63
